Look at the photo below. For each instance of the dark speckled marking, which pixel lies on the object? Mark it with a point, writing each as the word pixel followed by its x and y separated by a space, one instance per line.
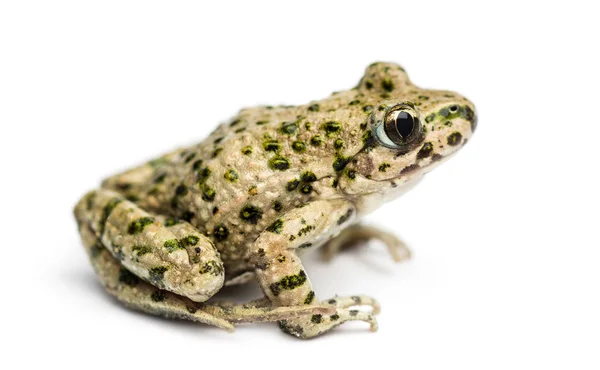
pixel 172 245
pixel 454 139
pixel 332 128
pixel 289 128
pixel 231 175
pixel 137 226
pixel 345 217
pixel 316 319
pixel 110 206
pixel 276 227
pixel 277 206
pixel 425 151
pixel 247 150
pixel 308 177
pixel 279 163
pixel 288 283
pixel 316 140
pixel 387 84
pixel 310 297
pixel 158 296
pixel 156 274
pixel 251 214
pixel 220 232
pixel 384 166
pixel 271 145
pixel 299 146
pixel 313 108
pixel 410 168
pixel 293 185
pixel 127 278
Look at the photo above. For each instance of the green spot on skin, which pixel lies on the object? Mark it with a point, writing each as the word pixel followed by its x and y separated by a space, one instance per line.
pixel 110 206
pixel 387 84
pixel 158 296
pixel 251 214
pixel 140 250
pixel 351 174
pixel 172 245
pixel 454 139
pixel 279 163
pixel 340 163
pixel 299 146
pixel 171 222
pixel 334 317
pixel 430 118
pixel 305 230
pixel 220 232
pixel 271 145
pixel 231 175
pixel 217 152
pixel 190 240
pixel 313 107
pixel 247 150
pixel 260 123
pixel 208 193
pixel 292 185
pixel 384 166
pixel 316 140
pixel 425 151
pixel 306 189
pixel 338 144
pixel 310 297
pixel 277 206
pixel 156 274
pixel 316 319
pixel 137 226
pixel 332 128
pixel 276 227
pixel 203 175
pixel 288 283
pixel 181 190
pixel 368 84
pixel 368 108
pixel 308 177
pixel 212 267
pixel 289 128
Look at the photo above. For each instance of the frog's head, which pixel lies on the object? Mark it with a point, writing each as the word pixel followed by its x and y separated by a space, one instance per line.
pixel 409 131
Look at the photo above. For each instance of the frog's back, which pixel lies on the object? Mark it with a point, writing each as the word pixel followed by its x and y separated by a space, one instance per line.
pixel 249 171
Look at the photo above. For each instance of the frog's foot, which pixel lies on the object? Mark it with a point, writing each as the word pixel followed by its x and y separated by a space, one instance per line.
pixel 357 234
pixel 312 326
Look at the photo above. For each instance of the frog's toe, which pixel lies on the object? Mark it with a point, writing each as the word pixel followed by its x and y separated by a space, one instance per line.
pixel 356 301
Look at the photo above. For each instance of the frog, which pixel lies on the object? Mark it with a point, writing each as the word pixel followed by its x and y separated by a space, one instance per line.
pixel 259 192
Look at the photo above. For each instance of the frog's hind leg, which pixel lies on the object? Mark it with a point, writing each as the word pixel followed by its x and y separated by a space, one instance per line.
pixel 138 294
pixel 356 234
pixel 168 253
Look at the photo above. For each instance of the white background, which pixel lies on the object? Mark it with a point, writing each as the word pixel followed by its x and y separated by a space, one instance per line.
pixel 506 270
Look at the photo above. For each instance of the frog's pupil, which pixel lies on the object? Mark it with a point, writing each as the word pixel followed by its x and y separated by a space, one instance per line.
pixel 405 124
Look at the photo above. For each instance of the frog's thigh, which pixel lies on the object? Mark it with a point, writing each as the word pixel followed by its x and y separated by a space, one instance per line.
pixel 140 295
pixel 169 254
pixel 358 233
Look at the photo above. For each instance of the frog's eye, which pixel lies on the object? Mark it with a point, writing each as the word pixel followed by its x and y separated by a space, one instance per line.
pixel 401 129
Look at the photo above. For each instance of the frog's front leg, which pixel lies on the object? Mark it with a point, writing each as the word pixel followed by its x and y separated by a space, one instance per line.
pixel 283 278
pixel 357 234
